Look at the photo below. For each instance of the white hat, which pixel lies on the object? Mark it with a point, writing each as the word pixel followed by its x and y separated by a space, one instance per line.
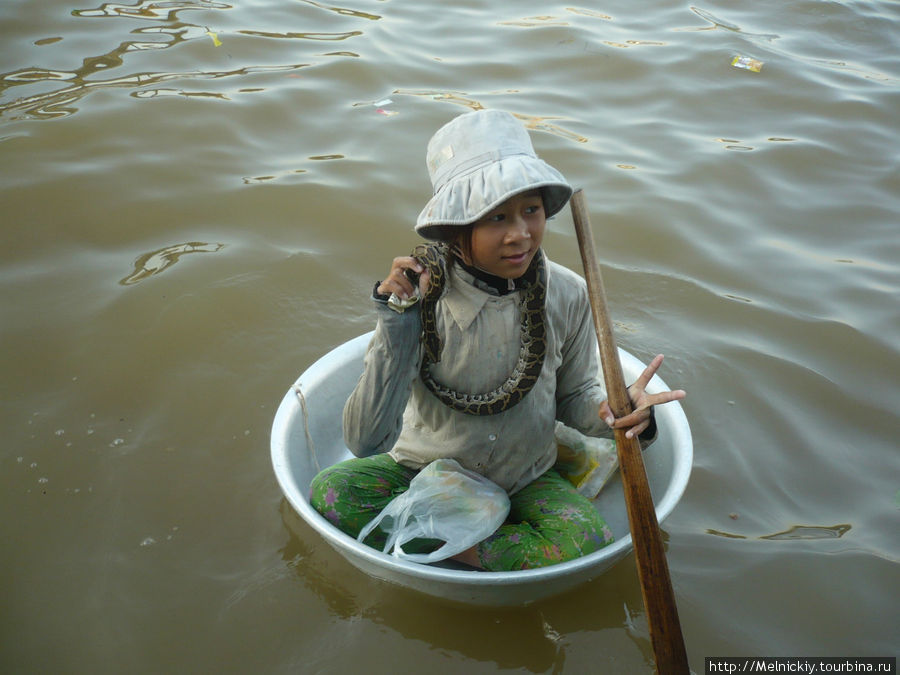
pixel 476 162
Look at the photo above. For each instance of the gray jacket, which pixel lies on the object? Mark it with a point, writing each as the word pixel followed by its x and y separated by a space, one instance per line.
pixel 391 410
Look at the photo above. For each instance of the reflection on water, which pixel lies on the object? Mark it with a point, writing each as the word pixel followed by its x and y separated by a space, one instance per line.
pixel 344 11
pixel 155 262
pixel 795 532
pixel 532 122
pixel 60 102
pixel 543 627
pixel 811 532
pixel 302 36
pixel 718 23
pixel 167 11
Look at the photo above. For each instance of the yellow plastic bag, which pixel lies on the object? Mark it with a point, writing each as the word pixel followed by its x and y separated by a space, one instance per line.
pixel 586 462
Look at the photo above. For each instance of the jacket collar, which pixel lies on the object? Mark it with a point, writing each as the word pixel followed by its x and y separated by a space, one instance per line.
pixel 465 300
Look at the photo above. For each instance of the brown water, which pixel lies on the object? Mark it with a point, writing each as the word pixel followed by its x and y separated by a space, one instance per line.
pixel 197 197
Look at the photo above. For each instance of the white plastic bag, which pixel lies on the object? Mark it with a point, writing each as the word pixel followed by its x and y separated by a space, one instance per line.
pixel 446 502
pixel 586 462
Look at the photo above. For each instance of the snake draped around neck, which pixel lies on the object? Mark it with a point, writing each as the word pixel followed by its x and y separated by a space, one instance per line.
pixel 436 258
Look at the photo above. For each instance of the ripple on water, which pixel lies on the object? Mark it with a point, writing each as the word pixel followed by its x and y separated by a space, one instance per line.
pixel 141 65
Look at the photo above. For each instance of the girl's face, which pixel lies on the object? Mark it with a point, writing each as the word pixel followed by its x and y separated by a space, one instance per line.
pixel 505 240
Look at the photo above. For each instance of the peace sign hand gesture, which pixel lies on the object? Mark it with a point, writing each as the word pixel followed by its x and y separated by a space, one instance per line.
pixel 638 420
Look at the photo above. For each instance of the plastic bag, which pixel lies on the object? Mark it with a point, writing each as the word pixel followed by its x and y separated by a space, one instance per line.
pixel 747 63
pixel 586 462
pixel 444 501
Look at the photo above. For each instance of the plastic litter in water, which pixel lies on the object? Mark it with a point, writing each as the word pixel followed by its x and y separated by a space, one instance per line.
pixel 381 110
pixel 747 63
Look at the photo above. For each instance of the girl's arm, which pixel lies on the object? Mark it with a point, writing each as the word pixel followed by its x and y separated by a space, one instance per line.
pixel 579 391
pixel 580 399
pixel 373 415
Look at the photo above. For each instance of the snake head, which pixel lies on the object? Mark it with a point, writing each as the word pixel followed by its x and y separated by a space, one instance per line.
pixel 413 276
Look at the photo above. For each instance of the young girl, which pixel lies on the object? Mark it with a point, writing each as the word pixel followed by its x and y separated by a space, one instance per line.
pixel 500 346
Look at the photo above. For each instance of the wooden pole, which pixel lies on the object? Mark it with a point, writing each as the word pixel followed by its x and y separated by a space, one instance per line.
pixel 650 555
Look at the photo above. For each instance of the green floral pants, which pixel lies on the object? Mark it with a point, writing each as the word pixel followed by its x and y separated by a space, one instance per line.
pixel 548 522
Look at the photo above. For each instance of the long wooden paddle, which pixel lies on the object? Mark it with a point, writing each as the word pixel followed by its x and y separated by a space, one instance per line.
pixel 650 556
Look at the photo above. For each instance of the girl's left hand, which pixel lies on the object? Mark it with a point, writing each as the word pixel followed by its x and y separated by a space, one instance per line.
pixel 638 420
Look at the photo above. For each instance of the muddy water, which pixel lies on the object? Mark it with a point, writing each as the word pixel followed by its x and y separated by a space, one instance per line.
pixel 197 196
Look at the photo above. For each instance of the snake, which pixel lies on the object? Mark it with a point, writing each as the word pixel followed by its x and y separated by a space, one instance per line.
pixel 437 258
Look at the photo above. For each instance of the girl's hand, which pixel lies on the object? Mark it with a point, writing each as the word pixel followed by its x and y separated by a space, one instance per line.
pixel 637 421
pixel 397 282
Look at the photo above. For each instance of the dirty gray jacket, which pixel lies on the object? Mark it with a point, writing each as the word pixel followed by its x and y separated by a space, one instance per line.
pixel 391 410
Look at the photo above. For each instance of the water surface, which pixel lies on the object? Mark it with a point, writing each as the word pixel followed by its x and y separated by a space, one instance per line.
pixel 197 197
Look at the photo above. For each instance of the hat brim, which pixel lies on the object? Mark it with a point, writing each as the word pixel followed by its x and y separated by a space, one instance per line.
pixel 472 196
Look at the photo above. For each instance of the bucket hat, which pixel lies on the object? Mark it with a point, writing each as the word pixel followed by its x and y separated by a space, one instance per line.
pixel 476 162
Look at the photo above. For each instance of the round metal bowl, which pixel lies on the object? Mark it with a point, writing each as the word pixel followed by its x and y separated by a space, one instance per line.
pixel 307 437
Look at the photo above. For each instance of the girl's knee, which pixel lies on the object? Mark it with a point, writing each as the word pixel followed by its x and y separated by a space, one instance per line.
pixel 530 545
pixel 349 494
pixel 324 496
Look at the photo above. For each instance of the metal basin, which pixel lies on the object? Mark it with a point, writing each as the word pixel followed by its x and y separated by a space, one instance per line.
pixel 307 436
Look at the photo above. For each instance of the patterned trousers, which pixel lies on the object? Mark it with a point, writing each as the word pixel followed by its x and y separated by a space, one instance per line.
pixel 549 521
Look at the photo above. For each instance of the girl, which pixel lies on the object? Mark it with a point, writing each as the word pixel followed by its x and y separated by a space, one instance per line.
pixel 479 357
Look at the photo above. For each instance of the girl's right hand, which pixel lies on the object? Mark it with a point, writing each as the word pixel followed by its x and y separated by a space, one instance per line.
pixel 397 282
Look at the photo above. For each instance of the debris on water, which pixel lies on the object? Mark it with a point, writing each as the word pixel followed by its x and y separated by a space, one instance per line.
pixel 215 38
pixel 149 541
pixel 747 63
pixel 549 632
pixel 733 516
pixel 117 442
pixel 381 110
